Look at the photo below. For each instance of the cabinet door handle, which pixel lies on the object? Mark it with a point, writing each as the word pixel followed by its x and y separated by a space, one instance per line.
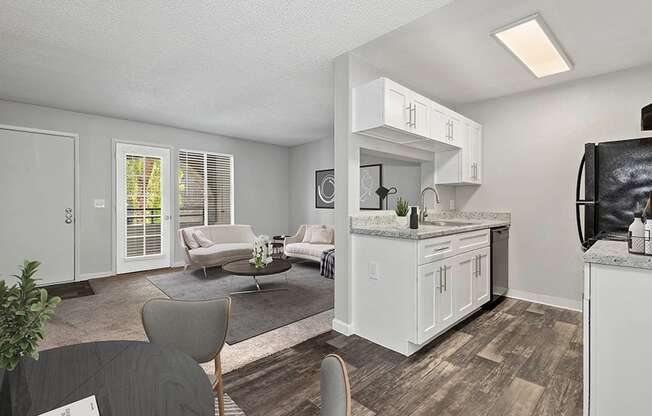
pixel 480 265
pixel 414 107
pixel 449 136
pixel 440 281
pixel 452 130
pixel 409 108
pixel 475 266
pixel 445 279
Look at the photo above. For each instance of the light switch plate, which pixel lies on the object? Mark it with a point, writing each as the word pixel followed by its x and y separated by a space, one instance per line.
pixel 98 203
pixel 373 270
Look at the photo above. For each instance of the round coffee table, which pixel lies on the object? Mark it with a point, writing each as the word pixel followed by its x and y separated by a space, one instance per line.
pixel 244 268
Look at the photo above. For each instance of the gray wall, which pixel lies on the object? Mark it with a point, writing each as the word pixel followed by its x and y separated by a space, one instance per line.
pixel 533 143
pixel 404 175
pixel 261 172
pixel 305 159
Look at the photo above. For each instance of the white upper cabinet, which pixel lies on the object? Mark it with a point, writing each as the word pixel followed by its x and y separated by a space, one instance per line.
pixel 420 116
pixel 457 130
pixel 445 125
pixel 389 111
pixel 439 123
pixel 397 106
pixel 464 166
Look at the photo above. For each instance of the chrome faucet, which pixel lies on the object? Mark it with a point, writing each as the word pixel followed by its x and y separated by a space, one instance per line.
pixel 423 214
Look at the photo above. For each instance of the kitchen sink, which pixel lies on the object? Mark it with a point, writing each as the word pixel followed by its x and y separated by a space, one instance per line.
pixel 447 223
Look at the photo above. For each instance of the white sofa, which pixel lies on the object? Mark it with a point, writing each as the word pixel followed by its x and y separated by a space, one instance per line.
pixel 295 247
pixel 232 242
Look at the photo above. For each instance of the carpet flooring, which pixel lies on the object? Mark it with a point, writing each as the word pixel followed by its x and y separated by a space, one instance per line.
pixel 113 313
pixel 305 293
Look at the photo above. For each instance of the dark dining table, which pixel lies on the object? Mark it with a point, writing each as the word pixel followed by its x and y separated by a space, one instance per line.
pixel 128 378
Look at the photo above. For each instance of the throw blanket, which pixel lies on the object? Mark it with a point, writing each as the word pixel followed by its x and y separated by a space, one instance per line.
pixel 327 265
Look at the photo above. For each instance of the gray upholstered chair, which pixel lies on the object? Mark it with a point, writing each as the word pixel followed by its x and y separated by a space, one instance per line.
pixel 334 387
pixel 197 328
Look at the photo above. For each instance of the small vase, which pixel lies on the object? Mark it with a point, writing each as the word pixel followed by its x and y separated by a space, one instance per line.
pixel 402 221
pixel 260 262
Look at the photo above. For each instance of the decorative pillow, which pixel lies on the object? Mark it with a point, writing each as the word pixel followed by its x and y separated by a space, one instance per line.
pixel 307 236
pixel 322 236
pixel 190 240
pixel 201 239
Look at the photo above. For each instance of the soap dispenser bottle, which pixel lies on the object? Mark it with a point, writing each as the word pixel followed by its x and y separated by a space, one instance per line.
pixel 636 240
pixel 414 218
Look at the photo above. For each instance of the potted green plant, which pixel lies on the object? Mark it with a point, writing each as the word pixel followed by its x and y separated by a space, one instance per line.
pixel 24 309
pixel 402 208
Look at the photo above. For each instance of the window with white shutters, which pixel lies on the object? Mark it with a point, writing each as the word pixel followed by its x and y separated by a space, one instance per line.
pixel 205 188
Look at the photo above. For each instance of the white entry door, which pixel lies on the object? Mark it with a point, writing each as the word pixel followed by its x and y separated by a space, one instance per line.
pixel 142 207
pixel 37 218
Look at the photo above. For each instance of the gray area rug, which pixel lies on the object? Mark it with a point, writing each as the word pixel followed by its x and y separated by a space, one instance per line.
pixel 255 313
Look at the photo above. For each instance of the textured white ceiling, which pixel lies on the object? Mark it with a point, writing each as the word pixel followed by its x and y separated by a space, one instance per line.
pixel 260 70
pixel 449 54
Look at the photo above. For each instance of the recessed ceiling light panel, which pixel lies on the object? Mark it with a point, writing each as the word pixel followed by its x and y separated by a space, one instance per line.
pixel 532 42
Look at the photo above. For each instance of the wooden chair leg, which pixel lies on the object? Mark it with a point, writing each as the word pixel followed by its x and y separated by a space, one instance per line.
pixel 218 388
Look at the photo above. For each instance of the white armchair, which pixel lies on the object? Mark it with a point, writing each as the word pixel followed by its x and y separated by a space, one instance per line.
pixel 297 246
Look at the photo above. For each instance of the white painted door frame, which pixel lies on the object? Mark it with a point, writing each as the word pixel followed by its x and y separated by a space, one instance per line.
pixel 172 195
pixel 77 212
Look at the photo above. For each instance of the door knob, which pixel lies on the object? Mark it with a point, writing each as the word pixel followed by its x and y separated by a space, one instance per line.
pixel 68 212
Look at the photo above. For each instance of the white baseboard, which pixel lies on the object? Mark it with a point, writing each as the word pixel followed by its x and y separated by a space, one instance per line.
pixel 573 305
pixel 180 263
pixel 342 328
pixel 89 276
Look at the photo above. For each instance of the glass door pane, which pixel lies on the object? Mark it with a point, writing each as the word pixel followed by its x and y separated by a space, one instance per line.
pixel 143 205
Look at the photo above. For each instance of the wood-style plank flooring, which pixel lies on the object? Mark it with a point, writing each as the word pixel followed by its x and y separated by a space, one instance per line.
pixel 518 359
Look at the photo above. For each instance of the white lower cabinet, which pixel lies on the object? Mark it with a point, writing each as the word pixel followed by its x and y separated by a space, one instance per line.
pixel 451 289
pixel 462 277
pixel 406 292
pixel 430 302
pixel 617 340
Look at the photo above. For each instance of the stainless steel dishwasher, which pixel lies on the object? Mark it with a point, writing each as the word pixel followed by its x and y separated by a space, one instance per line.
pixel 499 264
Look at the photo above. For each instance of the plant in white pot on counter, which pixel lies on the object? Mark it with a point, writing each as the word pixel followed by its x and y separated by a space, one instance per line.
pixel 402 209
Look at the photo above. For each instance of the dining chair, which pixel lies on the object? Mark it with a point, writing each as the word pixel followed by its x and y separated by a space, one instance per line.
pixel 334 387
pixel 197 328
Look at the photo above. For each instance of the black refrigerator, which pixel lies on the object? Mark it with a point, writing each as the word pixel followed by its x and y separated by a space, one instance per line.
pixel 617 181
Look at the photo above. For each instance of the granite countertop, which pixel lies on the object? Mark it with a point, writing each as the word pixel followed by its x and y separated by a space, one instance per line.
pixel 614 253
pixel 387 226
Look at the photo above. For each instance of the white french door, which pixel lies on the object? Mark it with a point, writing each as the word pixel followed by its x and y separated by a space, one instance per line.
pixel 37 207
pixel 142 207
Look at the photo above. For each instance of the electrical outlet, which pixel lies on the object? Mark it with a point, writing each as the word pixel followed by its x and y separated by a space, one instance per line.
pixel 373 270
pixel 98 203
pixel 451 204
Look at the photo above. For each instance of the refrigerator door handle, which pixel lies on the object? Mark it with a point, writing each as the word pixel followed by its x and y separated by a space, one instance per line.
pixel 579 201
